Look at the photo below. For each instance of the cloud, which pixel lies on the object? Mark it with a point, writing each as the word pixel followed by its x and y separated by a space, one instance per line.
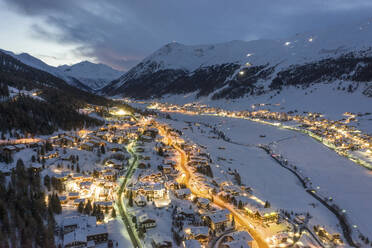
pixel 120 33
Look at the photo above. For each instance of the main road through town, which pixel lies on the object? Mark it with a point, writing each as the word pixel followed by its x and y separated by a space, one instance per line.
pixel 239 218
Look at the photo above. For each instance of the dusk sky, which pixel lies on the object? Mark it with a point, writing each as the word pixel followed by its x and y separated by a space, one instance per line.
pixel 120 33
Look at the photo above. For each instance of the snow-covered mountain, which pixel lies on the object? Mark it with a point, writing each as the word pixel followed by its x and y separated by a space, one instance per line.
pixel 240 68
pixel 92 75
pixel 84 75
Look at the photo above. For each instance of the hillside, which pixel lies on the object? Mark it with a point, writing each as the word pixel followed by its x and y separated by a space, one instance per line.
pixel 239 69
pixel 54 107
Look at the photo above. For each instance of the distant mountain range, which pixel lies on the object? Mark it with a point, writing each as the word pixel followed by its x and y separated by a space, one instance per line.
pixel 95 76
pixel 239 69
pixel 84 75
pixel 44 102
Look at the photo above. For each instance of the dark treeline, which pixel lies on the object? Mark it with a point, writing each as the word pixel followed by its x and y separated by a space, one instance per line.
pixel 59 110
pixel 25 218
pixel 39 117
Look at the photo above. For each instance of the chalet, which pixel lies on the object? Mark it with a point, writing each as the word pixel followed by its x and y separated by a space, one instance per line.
pixel 63 199
pixel 74 239
pixel 171 185
pixel 69 224
pixel 61 177
pixel 78 200
pixel 86 185
pixel 65 141
pixel 200 233
pixel 140 201
pixel 217 221
pixel 264 215
pixel 8 151
pixel 87 146
pixel 97 233
pixel 203 203
pixel 167 169
pixel 146 222
pixel 109 175
pixel 105 204
pixel 182 193
pixel 146 138
pixel 159 191
pixel 36 167
pixel 160 241
pixel 77 176
pixel 73 195
pixel 238 239
pixel 185 211
pixel 142 165
pixel 191 243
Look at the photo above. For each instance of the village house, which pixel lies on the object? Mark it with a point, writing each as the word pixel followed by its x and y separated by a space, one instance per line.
pixel 203 203
pixel 72 195
pixel 238 239
pixel 199 233
pixel 146 222
pixel 191 243
pixel 182 193
pixel 161 241
pixel 140 201
pixel 217 221
pixel 87 146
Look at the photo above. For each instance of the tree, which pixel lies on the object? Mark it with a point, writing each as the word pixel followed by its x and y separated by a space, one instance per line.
pixel 77 168
pixel 103 151
pixel 113 213
pixel 57 204
pixel 81 207
pixel 95 174
pixel 130 202
pixel 240 205
pixel 88 208
pixel 47 182
pixel 267 204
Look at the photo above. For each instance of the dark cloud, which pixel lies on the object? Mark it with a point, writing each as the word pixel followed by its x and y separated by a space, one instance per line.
pixel 120 33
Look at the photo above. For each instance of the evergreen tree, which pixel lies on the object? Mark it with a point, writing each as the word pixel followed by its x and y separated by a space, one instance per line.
pixel 130 202
pixel 47 182
pixel 88 208
pixel 113 213
pixel 81 207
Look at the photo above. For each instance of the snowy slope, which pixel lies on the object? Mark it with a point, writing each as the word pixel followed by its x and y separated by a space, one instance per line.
pixel 93 75
pixel 177 62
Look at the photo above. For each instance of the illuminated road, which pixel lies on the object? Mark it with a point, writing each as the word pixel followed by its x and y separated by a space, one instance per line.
pixel 136 243
pixel 239 218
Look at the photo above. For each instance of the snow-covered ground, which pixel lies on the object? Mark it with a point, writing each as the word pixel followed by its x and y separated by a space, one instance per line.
pixel 337 177
pixel 347 183
pixel 321 98
pixel 118 232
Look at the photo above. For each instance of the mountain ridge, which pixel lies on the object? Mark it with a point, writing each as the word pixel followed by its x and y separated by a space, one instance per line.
pixel 241 68
pixel 101 74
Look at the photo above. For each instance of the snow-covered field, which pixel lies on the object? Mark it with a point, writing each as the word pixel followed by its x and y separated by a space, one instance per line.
pixel 347 183
pixel 337 177
pixel 321 98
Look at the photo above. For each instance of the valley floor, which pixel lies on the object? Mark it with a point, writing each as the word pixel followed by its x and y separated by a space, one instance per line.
pixel 334 176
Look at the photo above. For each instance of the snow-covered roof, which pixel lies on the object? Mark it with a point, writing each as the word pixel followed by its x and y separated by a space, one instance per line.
pixel 98 229
pixel 191 243
pixel 74 236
